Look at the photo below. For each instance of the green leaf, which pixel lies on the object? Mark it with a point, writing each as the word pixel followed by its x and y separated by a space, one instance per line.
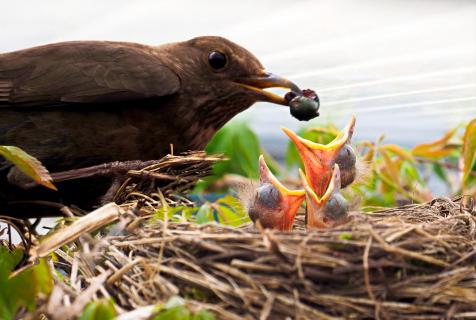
pixel 241 146
pixel 469 150
pixel 232 203
pixel 345 236
pixel 204 214
pixel 99 310
pixel 176 309
pixel 170 212
pixel 27 164
pixel 22 289
pixel 440 173
pixel 203 315
pixel 231 211
pixel 228 216
pixel 411 170
pixel 174 313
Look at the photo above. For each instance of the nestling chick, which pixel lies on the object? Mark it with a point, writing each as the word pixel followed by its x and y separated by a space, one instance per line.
pixel 327 210
pixel 319 159
pixel 273 204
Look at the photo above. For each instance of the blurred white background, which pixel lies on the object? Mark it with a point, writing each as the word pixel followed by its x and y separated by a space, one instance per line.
pixel 405 68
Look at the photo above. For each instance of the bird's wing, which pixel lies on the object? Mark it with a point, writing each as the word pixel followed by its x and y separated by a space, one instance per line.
pixel 83 72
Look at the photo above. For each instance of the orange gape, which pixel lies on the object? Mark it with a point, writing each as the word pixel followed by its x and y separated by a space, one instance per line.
pixel 274 205
pixel 319 159
pixel 328 167
pixel 327 210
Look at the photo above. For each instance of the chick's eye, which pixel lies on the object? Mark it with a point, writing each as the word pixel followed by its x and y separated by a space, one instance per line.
pixel 217 60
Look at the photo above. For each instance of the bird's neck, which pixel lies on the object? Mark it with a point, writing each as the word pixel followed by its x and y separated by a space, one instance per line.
pixel 205 118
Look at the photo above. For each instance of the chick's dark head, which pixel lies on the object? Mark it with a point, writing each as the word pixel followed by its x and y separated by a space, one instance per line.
pixel 274 205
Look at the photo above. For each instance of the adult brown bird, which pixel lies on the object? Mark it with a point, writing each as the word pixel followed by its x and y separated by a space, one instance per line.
pixel 78 104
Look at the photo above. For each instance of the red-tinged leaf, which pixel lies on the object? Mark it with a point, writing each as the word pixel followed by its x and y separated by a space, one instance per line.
pixel 28 165
pixel 390 165
pixel 369 156
pixel 369 147
pixel 399 151
pixel 436 149
pixel 398 164
pixel 469 149
pixel 366 144
pixel 386 184
pixel 436 153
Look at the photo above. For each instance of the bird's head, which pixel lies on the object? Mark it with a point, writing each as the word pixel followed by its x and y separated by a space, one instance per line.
pixel 327 210
pixel 221 69
pixel 274 205
pixel 319 159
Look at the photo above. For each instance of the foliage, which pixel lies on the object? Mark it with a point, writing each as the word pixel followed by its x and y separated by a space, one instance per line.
pixel 239 143
pixel 396 175
pixel 21 290
pixel 226 210
pixel 99 310
pixel 176 309
pixel 242 148
pixel 393 175
pixel 469 152
pixel 27 164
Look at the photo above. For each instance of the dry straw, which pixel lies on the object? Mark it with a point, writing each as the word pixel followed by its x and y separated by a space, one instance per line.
pixel 413 262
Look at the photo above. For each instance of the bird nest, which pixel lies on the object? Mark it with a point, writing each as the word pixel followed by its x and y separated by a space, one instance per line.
pixel 412 262
pixel 165 180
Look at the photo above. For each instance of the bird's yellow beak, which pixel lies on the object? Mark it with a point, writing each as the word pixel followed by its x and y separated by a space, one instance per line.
pixel 268 80
pixel 290 200
pixel 319 159
pixel 327 210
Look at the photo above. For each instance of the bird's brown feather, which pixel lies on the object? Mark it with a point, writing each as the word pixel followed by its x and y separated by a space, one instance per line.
pixel 84 72
pixel 79 104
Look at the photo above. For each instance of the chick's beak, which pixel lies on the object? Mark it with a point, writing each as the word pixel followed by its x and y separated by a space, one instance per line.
pixel 288 202
pixel 328 210
pixel 318 159
pixel 256 84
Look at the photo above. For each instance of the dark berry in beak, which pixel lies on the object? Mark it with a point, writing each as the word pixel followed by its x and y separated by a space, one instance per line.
pixel 303 107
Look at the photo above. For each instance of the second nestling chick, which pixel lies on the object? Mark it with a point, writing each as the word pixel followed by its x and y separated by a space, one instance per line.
pixel 327 210
pixel 274 205
pixel 347 161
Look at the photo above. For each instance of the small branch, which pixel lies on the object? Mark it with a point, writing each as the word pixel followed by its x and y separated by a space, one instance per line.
pixel 88 223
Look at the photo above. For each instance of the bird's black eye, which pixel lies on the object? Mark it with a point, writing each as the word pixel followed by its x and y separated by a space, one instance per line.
pixel 217 60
